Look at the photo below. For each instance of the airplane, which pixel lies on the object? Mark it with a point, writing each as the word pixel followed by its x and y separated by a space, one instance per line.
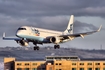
pixel 26 34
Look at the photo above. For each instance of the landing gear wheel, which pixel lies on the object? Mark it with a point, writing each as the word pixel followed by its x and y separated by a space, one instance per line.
pixel 36 48
pixel 56 46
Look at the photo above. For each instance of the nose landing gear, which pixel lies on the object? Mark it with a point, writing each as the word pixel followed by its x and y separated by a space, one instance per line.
pixel 36 48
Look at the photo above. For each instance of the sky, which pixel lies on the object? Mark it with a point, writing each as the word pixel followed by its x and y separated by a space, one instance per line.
pixel 55 14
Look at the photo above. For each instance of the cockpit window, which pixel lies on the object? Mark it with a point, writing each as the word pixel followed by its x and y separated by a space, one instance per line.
pixel 21 28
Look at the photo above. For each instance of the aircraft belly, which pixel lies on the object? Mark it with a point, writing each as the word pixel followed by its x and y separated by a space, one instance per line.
pixel 33 37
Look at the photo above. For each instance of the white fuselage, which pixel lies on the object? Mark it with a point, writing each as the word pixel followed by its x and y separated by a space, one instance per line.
pixel 38 32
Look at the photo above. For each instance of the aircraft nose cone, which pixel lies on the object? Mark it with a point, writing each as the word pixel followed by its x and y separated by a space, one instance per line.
pixel 18 34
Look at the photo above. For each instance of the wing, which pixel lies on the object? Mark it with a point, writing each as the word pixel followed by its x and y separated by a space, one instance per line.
pixel 72 36
pixel 4 38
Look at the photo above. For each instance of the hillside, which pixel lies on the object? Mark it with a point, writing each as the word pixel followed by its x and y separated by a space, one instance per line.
pixel 29 53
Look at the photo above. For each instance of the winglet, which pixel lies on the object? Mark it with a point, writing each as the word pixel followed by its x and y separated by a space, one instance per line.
pixel 3 35
pixel 99 28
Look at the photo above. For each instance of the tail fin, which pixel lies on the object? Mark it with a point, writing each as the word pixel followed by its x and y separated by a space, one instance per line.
pixel 69 29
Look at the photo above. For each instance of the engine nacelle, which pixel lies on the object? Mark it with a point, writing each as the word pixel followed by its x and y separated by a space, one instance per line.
pixel 55 40
pixel 23 43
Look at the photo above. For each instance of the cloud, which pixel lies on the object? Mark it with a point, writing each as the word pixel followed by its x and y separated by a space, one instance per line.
pixel 10 25
pixel 83 27
pixel 35 8
pixel 50 14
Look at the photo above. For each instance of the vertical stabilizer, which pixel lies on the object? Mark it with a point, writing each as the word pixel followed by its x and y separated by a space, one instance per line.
pixel 69 29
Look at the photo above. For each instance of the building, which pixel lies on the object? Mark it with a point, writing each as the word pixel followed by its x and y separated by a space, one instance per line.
pixel 55 63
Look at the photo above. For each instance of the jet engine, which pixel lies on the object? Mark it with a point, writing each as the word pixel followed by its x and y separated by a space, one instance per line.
pixel 55 40
pixel 23 43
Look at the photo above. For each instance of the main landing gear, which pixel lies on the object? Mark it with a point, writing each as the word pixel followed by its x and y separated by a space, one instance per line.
pixel 56 46
pixel 36 48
